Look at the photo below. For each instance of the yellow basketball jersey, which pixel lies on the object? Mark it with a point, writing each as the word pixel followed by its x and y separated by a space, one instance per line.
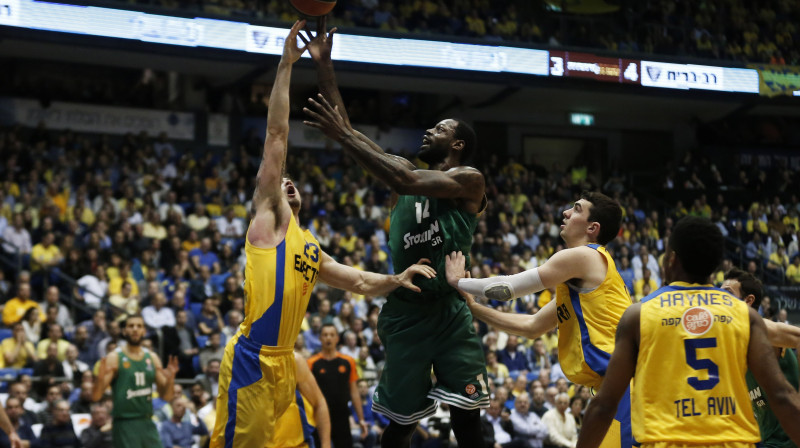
pixel 690 375
pixel 296 426
pixel 587 322
pixel 278 283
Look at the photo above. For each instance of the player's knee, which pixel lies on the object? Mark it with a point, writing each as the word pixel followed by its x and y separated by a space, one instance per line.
pixel 462 418
pixel 397 435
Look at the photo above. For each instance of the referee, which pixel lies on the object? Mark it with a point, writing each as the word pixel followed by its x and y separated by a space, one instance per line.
pixel 336 375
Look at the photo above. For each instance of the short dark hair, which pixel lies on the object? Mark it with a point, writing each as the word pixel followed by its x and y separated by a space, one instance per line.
pixel 329 325
pixel 699 245
pixel 607 212
pixel 749 284
pixel 464 131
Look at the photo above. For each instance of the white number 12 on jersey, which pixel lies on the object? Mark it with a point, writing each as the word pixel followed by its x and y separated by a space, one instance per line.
pixel 422 213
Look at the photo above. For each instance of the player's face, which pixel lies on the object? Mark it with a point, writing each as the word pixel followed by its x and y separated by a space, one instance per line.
pixel 134 331
pixel 575 223
pixel 292 194
pixel 436 142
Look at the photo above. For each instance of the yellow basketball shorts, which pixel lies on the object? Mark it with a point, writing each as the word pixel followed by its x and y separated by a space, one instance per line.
pixel 256 386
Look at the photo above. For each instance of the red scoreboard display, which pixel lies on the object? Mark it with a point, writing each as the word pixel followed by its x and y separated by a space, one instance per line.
pixel 571 64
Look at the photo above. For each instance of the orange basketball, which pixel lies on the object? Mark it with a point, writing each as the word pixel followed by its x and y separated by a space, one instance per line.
pixel 313 8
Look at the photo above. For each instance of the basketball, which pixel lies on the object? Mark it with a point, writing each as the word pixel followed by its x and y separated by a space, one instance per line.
pixel 313 8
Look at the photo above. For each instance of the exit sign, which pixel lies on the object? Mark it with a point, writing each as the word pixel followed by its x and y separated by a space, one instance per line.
pixel 581 119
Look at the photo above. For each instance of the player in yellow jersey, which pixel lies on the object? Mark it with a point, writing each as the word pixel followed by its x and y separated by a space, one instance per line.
pixel 309 410
pixel 687 347
pixel 257 374
pixel 590 298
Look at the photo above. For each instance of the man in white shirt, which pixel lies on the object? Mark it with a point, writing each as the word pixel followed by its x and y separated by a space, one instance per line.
pixel 94 287
pixel 528 427
pixel 230 226
pixel 645 260
pixel 157 314
pixel 499 419
pixel 17 237
pixel 561 424
pixel 169 206
pixel 51 299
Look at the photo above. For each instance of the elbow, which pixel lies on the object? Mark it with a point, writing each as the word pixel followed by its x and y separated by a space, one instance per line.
pixel 277 130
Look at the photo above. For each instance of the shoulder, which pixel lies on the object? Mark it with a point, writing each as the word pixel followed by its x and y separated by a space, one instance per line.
pixel 313 360
pixel 466 174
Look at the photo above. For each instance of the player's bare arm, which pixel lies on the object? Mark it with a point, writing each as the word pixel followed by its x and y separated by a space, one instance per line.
pixel 621 369
pixel 8 428
pixel 106 373
pixel 310 389
pixel 462 183
pixel 272 210
pixel 784 400
pixel 355 398
pixel 350 279
pixel 782 335
pixel 320 47
pixel 165 377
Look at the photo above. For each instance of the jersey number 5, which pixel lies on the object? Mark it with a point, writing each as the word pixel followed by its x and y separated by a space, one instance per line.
pixel 422 212
pixel 691 346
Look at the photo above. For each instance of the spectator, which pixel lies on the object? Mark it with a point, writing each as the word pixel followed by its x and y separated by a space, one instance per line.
pixel 60 432
pixel 209 320
pixel 576 406
pixel 561 425
pixel 539 360
pixel 212 350
pixel 234 320
pixel 645 260
pixel 73 367
pixel 19 390
pixel 17 238
pixel 94 287
pixel 230 227
pixel 45 257
pixel 312 335
pixel 513 356
pixel 528 427
pixel 114 335
pixel 55 334
pixel 176 432
pixel 14 310
pixel 84 402
pixel 202 287
pixel 157 315
pixel 48 369
pixel 180 341
pixel 126 301
pixel 15 414
pixel 98 434
pixel 497 371
pixel 375 421
pixel 53 394
pixel 324 312
pixel 63 318
pixel 498 431
pixel 350 347
pixel 32 324
pixel 793 271
pixel 204 256
pixel 538 402
pixel 209 379
pixel 365 365
pixel 18 352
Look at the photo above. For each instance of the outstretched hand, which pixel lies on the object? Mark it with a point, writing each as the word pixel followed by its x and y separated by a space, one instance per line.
pixel 326 118
pixel 172 366
pixel 320 45
pixel 421 268
pixel 454 266
pixel 291 53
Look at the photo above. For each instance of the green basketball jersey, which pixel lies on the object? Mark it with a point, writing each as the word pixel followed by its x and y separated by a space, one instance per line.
pixel 132 390
pixel 425 227
pixel 772 435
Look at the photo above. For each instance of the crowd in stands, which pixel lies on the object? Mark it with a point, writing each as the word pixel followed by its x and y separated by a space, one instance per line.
pixel 94 230
pixel 735 30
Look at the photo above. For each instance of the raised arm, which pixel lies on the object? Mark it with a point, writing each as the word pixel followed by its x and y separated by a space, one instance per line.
pixel 310 389
pixel 350 279
pixel 105 375
pixel 783 398
pixel 268 195
pixel 621 369
pixel 165 377
pixel 456 183
pixel 320 48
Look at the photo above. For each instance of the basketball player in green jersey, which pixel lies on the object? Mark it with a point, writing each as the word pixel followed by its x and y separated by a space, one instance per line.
pixel 748 288
pixel 131 372
pixel 435 212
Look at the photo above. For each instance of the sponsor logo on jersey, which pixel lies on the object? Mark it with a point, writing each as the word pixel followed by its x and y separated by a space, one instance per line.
pixel 470 389
pixel 342 369
pixel 126 364
pixel 432 234
pixel 138 393
pixel 697 321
